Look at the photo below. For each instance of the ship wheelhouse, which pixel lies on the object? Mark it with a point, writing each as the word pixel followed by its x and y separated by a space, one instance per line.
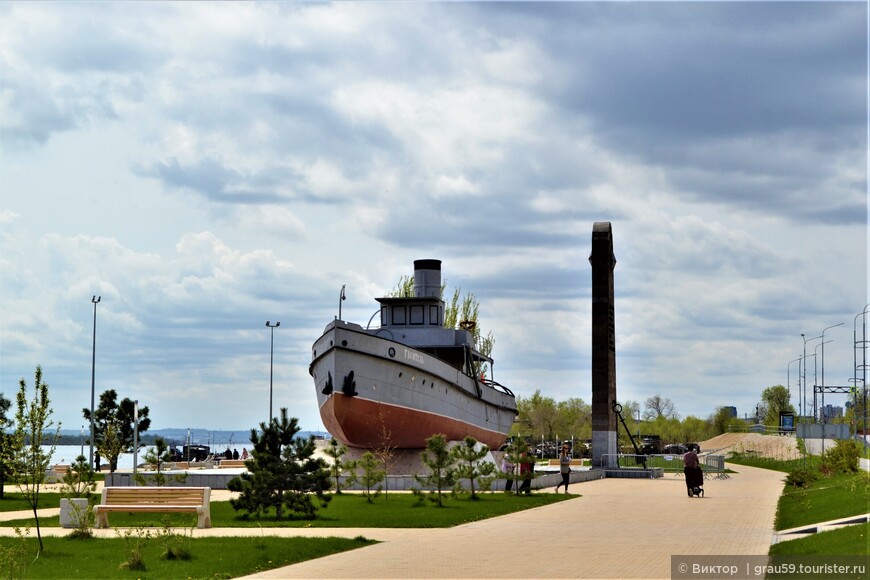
pixel 418 321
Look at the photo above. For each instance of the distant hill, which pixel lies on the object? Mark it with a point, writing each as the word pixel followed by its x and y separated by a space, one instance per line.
pixel 219 439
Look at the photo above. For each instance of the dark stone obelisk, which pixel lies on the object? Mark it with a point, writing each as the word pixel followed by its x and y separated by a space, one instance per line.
pixel 603 344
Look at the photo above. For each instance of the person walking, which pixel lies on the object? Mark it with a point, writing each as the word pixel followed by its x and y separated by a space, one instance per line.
pixel 527 470
pixel 564 468
pixel 508 469
pixel 692 471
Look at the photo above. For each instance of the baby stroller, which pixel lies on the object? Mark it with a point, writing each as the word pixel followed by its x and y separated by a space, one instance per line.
pixel 694 481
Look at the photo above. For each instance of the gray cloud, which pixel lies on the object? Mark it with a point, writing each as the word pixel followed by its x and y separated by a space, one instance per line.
pixel 276 151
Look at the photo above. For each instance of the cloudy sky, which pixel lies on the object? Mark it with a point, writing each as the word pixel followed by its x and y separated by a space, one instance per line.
pixel 205 167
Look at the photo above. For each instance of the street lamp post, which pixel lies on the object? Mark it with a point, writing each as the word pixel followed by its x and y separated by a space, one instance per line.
pixel 804 388
pixel 863 316
pixel 135 435
pixel 823 360
pixel 816 376
pixel 272 328
pixel 95 300
pixel 788 374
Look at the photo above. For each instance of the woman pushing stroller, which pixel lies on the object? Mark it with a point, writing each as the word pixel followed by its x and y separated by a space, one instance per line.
pixel 693 473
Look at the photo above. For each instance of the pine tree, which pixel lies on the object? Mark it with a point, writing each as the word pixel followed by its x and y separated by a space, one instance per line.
pixel 439 460
pixel 371 475
pixel 340 467
pixel 282 473
pixel 468 455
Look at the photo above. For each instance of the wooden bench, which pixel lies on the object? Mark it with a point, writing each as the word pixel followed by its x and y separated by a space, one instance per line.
pixel 155 499
pixel 232 463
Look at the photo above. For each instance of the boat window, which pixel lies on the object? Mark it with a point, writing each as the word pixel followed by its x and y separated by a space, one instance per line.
pixel 416 315
pixel 435 315
pixel 399 315
pixel 384 320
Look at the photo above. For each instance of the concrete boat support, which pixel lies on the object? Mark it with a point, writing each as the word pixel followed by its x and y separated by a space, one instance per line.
pixel 218 478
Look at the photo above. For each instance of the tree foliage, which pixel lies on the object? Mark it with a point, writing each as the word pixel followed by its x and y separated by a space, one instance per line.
pixel 774 400
pixel 460 308
pixel 439 460
pixel 468 455
pixel 283 473
pixel 385 450
pixel 543 416
pixel 6 441
pixel 121 417
pixel 371 475
pixel 339 466
pixel 658 406
pixel 79 480
pixel 158 456
pixel 517 453
pixel 34 429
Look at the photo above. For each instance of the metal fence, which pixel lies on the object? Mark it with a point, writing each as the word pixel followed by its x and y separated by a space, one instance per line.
pixel 713 465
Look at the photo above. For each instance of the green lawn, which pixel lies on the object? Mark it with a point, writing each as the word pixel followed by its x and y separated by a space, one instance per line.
pixel 849 540
pixel 811 462
pixel 12 502
pixel 209 557
pixel 828 498
pixel 398 510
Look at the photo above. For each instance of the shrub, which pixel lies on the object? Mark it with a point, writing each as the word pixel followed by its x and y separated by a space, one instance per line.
pixel 842 458
pixel 134 541
pixel 801 477
pixel 176 546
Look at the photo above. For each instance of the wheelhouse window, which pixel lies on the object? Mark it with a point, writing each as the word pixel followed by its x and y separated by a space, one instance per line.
pixel 434 315
pixel 417 315
pixel 399 315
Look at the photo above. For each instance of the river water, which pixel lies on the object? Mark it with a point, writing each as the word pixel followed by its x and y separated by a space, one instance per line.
pixel 66 454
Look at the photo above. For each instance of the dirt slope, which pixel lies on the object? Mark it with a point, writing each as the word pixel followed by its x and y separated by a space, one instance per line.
pixel 772 446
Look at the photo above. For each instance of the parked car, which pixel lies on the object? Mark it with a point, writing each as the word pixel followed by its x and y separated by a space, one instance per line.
pixel 651 444
pixel 675 449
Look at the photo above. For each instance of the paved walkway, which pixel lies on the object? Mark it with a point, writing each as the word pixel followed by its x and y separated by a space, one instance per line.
pixel 617 528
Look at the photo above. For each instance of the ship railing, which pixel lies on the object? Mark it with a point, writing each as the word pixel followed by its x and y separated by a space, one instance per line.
pixel 497 386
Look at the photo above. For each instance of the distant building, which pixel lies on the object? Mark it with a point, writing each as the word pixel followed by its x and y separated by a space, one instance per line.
pixel 732 411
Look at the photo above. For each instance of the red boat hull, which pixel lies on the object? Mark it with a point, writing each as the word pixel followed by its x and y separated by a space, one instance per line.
pixel 359 422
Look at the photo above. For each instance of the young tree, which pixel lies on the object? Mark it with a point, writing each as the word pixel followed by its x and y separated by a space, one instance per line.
pixel 282 472
pixel 438 459
pixel 371 475
pixel 468 455
pixel 5 442
pixel 79 480
pixel 386 449
pixel 339 467
pixel 33 429
pixel 658 406
pixel 121 415
pixel 159 455
pixel 773 401
pixel 109 445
